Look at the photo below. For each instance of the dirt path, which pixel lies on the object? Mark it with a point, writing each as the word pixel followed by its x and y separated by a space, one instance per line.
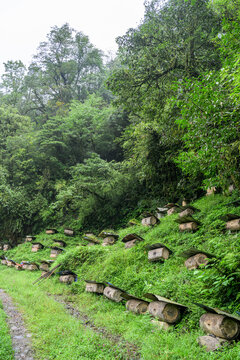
pixel 20 337
pixel 132 350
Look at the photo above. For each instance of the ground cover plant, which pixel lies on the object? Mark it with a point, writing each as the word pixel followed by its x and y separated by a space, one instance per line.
pixel 216 285
pixel 6 351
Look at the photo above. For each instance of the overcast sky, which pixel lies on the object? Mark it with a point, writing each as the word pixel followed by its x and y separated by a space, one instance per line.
pixel 25 23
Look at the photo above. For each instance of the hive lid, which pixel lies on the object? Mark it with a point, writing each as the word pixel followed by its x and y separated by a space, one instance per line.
pixel 187 219
pixel 157 246
pixel 94 282
pixel 217 311
pixel 127 296
pixel 193 251
pixel 161 298
pixel 113 286
pixel 105 234
pixel 130 237
pixel 229 217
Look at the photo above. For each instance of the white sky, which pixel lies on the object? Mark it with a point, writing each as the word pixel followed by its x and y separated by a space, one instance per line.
pixel 25 23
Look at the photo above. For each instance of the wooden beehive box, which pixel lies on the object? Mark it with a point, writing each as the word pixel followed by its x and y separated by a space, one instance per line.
pixel 6 247
pixel 55 251
pixel 37 246
pixel 149 219
pixel 164 309
pixel 187 223
pixel 45 265
pixel 108 238
pixel 60 243
pixel 113 292
pixel 91 238
pixel 232 221
pixel 187 211
pixel 135 304
pixel 18 267
pixel 11 263
pixel 67 277
pixel 172 208
pixel 161 212
pixel 94 287
pixel 51 231
pixel 196 258
pixel 219 323
pixel 130 240
pixel 30 238
pixel 158 252
pixel 25 264
pixel 68 232
pixel 32 266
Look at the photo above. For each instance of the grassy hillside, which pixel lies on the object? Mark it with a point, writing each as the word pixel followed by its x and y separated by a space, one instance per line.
pixel 216 285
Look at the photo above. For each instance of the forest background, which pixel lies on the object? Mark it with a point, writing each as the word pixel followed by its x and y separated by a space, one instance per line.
pixel 88 144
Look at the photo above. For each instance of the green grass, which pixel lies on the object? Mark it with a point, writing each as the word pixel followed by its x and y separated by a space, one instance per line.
pixel 216 285
pixel 6 351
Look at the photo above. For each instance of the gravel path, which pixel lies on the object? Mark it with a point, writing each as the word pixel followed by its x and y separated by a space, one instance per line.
pixel 21 339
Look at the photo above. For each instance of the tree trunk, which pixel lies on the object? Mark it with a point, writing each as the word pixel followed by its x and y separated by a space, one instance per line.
pixel 113 294
pixel 137 306
pixel 169 313
pixel 158 254
pixel 220 326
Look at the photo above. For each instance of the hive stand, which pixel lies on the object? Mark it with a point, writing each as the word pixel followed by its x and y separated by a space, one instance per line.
pixel 232 221
pixel 94 287
pixel 158 252
pixel 135 304
pixel 130 240
pixel 164 309
pixel 196 257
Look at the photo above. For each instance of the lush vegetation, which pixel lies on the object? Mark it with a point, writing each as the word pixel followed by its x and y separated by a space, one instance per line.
pixel 217 286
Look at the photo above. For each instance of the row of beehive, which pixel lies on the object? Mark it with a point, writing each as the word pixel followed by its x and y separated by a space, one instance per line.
pixel 221 326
